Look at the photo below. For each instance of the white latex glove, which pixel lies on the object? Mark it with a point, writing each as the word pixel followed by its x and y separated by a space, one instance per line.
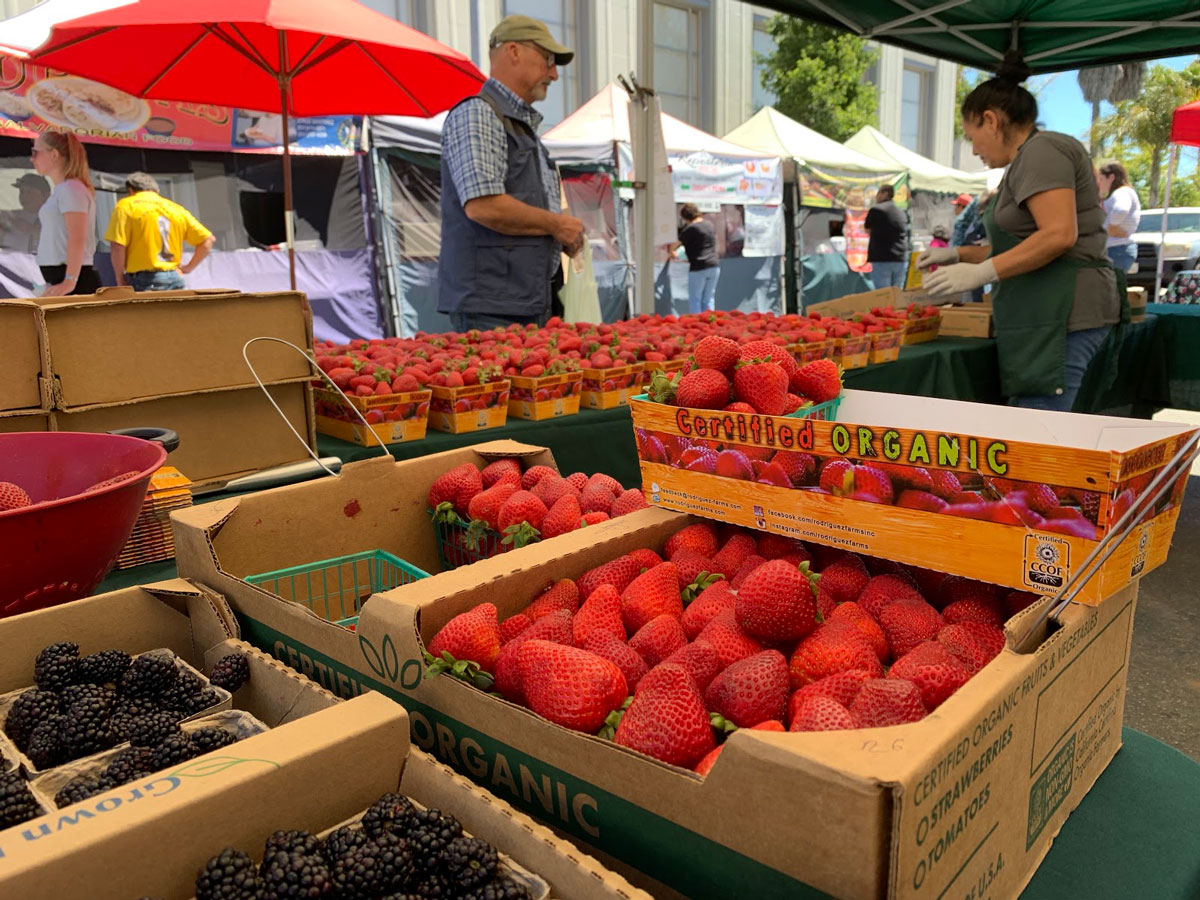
pixel 957 279
pixel 937 256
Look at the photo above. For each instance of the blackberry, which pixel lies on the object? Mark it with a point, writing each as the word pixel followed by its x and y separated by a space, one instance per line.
pixel 288 874
pixel 174 750
pixel 46 749
pixel 129 765
pixel 431 885
pixel 341 841
pixel 128 711
pixel 230 672
pixel 230 875
pixel 293 840
pixel 431 833
pixel 78 789
pixel 105 667
pixel 27 711
pixel 374 867
pixel 499 888
pixel 469 862
pixel 179 697
pixel 74 693
pixel 85 730
pixel 152 730
pixel 202 700
pixel 391 812
pixel 55 666
pixel 149 675
pixel 17 803
pixel 210 739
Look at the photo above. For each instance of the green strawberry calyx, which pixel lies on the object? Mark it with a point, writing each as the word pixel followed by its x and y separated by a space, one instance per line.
pixel 721 724
pixel 813 577
pixel 703 581
pixel 520 534
pixel 444 514
pixel 662 387
pixel 476 532
pixel 463 669
pixel 609 730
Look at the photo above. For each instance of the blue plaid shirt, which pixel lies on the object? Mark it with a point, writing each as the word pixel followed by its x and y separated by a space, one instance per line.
pixel 476 149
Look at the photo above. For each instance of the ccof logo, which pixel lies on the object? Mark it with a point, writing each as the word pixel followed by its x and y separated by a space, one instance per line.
pixel 1047 553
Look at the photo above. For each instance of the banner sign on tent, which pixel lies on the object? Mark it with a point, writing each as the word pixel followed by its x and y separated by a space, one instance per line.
pixel 831 189
pixel 701 177
pixel 34 99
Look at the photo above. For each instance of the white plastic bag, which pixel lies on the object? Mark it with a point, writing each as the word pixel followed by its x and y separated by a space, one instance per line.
pixel 579 295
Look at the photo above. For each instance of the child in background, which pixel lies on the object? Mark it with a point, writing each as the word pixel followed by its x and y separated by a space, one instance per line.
pixel 941 237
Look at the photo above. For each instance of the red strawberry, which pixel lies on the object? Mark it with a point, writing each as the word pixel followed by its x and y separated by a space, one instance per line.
pixel 705 765
pixel 658 639
pixel 913 478
pixel 569 686
pixel 1041 498
pixel 730 557
pixel 944 484
pixel 864 483
pixel 551 488
pixel 512 626
pixel 799 467
pixel 712 601
pixel 616 651
pixel 645 558
pixel 834 475
pixel 701 661
pixel 972 644
pixel 883 590
pixel 599 612
pixel 840 686
pixel 456 487
pixel 819 713
pixel 473 635
pixel 485 506
pixel 607 482
pixel 715 352
pixel 555 627
pixel 577 480
pixel 653 593
pixel 521 518
pixel 842 580
pixel 702 389
pixel 830 650
pixel 667 719
pixel 733 464
pixel 922 500
pixel 506 469
pixel 594 518
pixel 768 350
pixel 973 610
pixel 739 407
pixel 751 690
pixel 689 566
pixel 534 474
pixel 563 594
pixel 700 538
pixel 618 572
pixel 819 380
pixel 909 622
pixel 563 517
pixel 629 501
pixel 776 603
pixel 752 562
pixel 764 385
pixel 595 498
pixel 776 546
pixel 887 701
pixel 728 639
pixel 853 616
pixel 956 587
pixel 935 672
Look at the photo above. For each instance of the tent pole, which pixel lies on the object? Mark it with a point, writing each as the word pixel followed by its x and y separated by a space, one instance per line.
pixel 791 297
pixel 644 163
pixel 1158 270
pixel 285 87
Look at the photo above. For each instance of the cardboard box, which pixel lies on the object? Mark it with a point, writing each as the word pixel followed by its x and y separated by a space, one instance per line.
pixel 916 331
pixel 21 356
pixel 610 388
pixel 806 353
pixel 548 397
pixel 852 352
pixel 475 407
pixel 973 320
pixel 885 347
pixel 26 420
pixel 168 342
pixel 973 794
pixel 1137 304
pixel 222 434
pixel 391 418
pixel 1102 462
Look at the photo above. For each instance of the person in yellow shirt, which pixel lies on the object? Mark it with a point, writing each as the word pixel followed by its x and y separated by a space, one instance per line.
pixel 147 232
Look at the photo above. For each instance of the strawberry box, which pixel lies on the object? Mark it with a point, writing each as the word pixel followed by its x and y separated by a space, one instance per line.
pixel 547 397
pixel 973 794
pixel 669 366
pixel 475 407
pixel 811 350
pixel 852 352
pixel 391 418
pixel 609 388
pixel 923 329
pixel 22 362
pixel 885 346
pixel 1009 496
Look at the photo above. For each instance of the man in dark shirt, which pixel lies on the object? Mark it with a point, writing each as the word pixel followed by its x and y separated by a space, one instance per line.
pixel 699 241
pixel 887 250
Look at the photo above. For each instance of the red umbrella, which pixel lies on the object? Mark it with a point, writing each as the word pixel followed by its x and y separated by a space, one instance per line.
pixel 303 57
pixel 1185 124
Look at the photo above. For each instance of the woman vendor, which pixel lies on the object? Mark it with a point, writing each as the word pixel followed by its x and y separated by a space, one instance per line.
pixel 1056 297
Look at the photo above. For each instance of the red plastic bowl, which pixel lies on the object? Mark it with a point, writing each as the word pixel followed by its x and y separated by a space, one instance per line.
pixel 63 545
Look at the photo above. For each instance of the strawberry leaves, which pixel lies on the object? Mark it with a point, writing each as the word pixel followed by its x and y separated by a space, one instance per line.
pixel 465 670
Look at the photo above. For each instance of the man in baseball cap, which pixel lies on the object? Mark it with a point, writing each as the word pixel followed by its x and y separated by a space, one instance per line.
pixel 20 228
pixel 503 228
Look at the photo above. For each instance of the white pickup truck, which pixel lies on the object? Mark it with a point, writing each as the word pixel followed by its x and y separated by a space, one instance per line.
pixel 1181 250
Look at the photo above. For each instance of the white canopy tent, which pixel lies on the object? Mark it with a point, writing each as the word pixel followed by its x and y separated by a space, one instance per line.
pixel 771 131
pixel 924 173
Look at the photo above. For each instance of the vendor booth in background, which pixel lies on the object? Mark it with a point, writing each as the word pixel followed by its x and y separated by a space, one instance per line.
pixel 826 183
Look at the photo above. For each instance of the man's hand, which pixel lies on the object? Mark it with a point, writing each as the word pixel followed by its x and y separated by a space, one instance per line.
pixel 937 256
pixel 187 267
pixel 59 290
pixel 568 231
pixel 960 278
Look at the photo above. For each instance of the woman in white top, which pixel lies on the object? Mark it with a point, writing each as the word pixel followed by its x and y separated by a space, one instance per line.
pixel 67 243
pixel 1123 211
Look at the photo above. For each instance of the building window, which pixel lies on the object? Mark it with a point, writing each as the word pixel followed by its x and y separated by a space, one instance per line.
pixel 914 109
pixel 562 18
pixel 763 45
pixel 410 12
pixel 677 61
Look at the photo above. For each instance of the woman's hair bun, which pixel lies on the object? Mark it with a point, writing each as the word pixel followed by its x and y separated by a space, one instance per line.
pixel 1013 69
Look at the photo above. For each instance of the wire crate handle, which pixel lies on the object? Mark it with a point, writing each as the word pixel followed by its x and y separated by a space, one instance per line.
pixel 313 365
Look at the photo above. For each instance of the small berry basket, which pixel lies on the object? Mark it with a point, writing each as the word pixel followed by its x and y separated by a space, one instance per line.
pixel 460 545
pixel 336 588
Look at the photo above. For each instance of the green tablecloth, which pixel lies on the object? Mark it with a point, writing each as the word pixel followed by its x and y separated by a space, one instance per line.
pixel 1180 333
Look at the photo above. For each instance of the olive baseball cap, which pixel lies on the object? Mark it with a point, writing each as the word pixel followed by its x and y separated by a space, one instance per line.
pixel 527 28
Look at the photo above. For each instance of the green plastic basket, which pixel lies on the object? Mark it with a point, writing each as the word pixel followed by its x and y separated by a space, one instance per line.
pixel 453 551
pixel 335 589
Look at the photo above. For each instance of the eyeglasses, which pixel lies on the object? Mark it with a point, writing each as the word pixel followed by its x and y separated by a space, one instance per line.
pixel 547 55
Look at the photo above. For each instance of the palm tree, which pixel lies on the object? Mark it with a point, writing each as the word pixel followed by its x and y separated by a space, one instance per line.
pixel 1122 81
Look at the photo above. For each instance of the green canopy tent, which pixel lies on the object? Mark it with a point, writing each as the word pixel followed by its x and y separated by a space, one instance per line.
pixel 1053 35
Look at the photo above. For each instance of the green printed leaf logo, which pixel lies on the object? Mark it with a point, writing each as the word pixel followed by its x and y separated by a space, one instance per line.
pixel 371 655
pixel 215 765
pixel 384 662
